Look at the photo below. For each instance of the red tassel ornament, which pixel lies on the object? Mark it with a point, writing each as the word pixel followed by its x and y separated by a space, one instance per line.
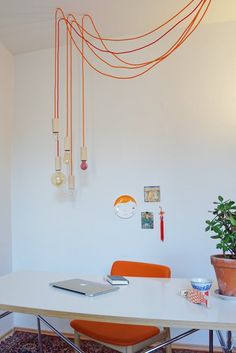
pixel 162 224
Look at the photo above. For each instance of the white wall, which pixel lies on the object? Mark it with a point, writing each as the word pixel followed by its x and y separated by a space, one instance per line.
pixel 6 93
pixel 175 128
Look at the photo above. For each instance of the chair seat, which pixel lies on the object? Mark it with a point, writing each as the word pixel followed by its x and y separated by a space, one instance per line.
pixel 112 333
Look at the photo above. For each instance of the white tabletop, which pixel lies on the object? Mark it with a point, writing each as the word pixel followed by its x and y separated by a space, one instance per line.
pixel 144 301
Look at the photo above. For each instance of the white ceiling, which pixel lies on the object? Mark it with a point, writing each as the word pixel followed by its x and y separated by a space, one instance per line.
pixel 27 25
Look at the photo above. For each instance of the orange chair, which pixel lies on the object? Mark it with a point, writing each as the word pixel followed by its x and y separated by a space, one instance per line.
pixel 125 338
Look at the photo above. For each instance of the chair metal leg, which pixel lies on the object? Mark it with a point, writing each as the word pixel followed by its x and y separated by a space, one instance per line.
pixel 76 339
pixel 168 348
pixel 129 349
pixel 39 336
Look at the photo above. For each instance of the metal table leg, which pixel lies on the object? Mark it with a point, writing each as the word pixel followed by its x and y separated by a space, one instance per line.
pixel 171 340
pixel 5 314
pixel 227 346
pixel 58 333
pixel 211 345
pixel 77 349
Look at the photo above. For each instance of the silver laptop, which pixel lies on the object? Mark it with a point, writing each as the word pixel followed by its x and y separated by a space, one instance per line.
pixel 84 287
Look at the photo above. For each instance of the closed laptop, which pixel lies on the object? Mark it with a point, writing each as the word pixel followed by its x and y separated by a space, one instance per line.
pixel 84 287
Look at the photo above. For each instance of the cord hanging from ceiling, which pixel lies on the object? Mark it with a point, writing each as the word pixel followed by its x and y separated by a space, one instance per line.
pixel 110 57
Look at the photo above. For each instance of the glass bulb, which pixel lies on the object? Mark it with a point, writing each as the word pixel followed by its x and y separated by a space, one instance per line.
pixel 83 165
pixel 66 158
pixel 57 178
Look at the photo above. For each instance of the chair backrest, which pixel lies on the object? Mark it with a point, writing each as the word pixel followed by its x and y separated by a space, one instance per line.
pixel 139 269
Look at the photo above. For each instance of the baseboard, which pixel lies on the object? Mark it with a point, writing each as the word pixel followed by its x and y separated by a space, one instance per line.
pixel 44 332
pixel 195 347
pixel 189 347
pixel 7 334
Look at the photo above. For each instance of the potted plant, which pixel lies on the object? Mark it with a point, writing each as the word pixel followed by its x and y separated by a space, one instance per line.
pixel 223 225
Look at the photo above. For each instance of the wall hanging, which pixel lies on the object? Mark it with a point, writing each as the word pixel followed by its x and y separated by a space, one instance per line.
pixel 112 57
pixel 147 220
pixel 125 206
pixel 162 224
pixel 152 194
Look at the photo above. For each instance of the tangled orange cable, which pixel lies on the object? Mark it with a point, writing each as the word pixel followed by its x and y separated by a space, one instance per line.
pixel 79 37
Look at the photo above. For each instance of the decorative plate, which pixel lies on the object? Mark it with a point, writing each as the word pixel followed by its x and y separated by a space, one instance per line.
pixel 125 206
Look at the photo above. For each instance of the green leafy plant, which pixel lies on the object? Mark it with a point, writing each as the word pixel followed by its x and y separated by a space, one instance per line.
pixel 223 225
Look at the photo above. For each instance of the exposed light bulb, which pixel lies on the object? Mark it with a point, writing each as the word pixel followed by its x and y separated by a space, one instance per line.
pixel 83 157
pixel 83 165
pixel 66 158
pixel 57 178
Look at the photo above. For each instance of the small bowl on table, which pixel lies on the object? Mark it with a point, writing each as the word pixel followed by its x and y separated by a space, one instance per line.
pixel 201 284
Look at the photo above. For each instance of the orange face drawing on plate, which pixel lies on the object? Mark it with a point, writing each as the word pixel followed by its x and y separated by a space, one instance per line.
pixel 125 206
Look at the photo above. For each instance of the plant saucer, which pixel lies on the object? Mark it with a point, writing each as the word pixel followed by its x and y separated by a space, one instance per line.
pixel 224 297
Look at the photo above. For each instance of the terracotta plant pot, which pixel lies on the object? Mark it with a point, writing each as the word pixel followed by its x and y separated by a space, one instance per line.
pixel 225 269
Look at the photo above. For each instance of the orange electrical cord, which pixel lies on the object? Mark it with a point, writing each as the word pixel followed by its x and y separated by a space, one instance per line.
pixel 154 62
pixel 58 65
pixel 144 63
pixel 142 35
pixel 149 44
pixel 55 66
pixel 71 109
pixel 83 98
pixel 67 85
pixel 56 80
pixel 130 51
pixel 132 65
pixel 76 30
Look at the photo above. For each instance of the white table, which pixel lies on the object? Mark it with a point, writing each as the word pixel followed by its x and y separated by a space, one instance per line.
pixel 143 301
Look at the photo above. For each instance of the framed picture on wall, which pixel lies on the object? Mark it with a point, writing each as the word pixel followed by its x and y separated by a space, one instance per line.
pixel 147 220
pixel 152 194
